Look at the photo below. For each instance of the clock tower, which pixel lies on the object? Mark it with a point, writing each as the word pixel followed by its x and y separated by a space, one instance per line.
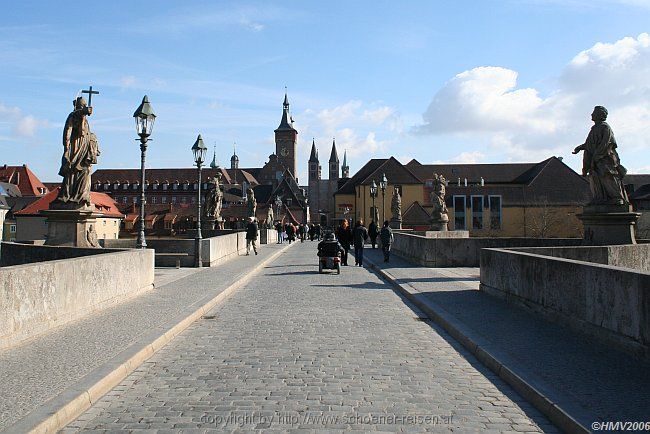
pixel 286 140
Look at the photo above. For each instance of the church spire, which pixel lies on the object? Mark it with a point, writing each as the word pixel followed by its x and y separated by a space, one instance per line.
pixel 345 169
pixel 334 156
pixel 234 160
pixel 313 157
pixel 286 123
pixel 214 164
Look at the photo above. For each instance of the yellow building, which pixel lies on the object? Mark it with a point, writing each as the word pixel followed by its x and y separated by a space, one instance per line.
pixel 507 200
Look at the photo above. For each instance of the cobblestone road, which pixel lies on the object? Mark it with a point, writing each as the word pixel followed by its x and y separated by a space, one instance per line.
pixel 299 350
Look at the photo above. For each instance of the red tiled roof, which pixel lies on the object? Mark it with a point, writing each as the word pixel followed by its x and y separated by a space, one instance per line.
pixel 102 203
pixel 151 175
pixel 27 182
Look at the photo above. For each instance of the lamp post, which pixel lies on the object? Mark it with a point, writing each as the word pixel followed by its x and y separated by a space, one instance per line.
pixel 383 184
pixel 199 149
pixel 144 119
pixel 373 195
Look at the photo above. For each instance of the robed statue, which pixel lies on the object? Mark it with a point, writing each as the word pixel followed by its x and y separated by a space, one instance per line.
pixel 601 164
pixel 396 205
pixel 251 202
pixel 80 151
pixel 437 196
pixel 214 198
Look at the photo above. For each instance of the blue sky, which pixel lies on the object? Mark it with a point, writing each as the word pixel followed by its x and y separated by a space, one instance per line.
pixel 461 81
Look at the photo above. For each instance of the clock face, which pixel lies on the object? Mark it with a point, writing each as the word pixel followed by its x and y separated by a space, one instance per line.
pixel 284 152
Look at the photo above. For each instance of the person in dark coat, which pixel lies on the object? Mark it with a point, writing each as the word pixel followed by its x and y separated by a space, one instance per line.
pixel 291 232
pixel 278 228
pixel 251 235
pixel 360 236
pixel 386 237
pixel 373 232
pixel 344 235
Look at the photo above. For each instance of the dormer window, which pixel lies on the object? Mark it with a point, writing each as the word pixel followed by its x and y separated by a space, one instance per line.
pixel 186 185
pixel 125 186
pixel 155 185
pixel 165 185
pixel 116 185
pixel 175 185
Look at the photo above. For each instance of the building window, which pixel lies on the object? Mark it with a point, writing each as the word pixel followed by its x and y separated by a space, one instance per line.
pixel 124 199
pixel 459 212
pixel 12 229
pixel 164 199
pixel 289 202
pixel 125 186
pixel 183 199
pixel 136 185
pixel 116 185
pixel 155 186
pixel 173 199
pixel 495 212
pixel 477 212
pixel 185 186
pixel 153 199
pixel 193 199
pixel 135 199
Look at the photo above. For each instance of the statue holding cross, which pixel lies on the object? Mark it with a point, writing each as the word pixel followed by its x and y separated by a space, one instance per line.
pixel 80 151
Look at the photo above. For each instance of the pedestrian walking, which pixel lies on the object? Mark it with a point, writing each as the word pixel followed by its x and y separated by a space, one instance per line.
pixel 291 232
pixel 360 236
pixel 344 235
pixel 386 237
pixel 373 232
pixel 312 232
pixel 302 231
pixel 278 228
pixel 251 235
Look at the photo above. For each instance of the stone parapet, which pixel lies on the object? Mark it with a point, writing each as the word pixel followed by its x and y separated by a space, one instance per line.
pixel 36 297
pixel 607 302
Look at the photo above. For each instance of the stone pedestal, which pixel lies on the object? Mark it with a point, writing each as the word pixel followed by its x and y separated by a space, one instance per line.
pixel 440 222
pixel 75 228
pixel 608 224
pixel 209 223
pixel 395 223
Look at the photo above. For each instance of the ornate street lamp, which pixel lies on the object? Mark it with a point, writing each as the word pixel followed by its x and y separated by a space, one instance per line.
pixel 199 149
pixel 383 184
pixel 144 119
pixel 373 195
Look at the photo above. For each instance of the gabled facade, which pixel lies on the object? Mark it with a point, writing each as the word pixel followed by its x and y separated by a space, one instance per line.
pixel 516 200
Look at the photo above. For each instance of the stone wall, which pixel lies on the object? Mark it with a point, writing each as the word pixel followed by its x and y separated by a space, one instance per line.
pixel 607 302
pixel 462 252
pixel 36 297
pixel 215 250
pixel 628 256
pixel 19 254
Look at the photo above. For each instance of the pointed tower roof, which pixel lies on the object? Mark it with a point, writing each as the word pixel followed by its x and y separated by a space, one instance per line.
pixel 314 153
pixel 214 164
pixel 345 158
pixel 334 156
pixel 234 153
pixel 286 123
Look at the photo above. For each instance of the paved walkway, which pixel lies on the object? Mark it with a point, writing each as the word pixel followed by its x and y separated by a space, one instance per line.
pixel 293 349
pixel 40 375
pixel 590 380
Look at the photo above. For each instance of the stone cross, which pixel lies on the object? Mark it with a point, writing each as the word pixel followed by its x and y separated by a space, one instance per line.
pixel 90 93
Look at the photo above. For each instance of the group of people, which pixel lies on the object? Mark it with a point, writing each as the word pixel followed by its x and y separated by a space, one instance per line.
pixel 357 237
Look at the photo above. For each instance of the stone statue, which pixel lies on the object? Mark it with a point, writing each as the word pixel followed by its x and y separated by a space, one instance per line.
pixel 396 205
pixel 251 202
pixel 600 162
pixel 268 224
pixel 439 216
pixel 214 198
pixel 80 151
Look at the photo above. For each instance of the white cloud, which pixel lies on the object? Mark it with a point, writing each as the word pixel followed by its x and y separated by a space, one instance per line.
pixel 357 127
pixel 485 104
pixel 127 81
pixel 19 124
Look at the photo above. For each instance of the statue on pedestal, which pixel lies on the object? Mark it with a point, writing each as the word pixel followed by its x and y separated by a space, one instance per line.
pixel 396 209
pixel 214 198
pixel 608 219
pixel 268 224
pixel 439 216
pixel 80 151
pixel 601 164
pixel 71 218
pixel 251 202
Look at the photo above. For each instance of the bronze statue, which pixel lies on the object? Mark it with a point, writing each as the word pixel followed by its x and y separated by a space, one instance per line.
pixel 601 164
pixel 396 205
pixel 251 202
pixel 80 151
